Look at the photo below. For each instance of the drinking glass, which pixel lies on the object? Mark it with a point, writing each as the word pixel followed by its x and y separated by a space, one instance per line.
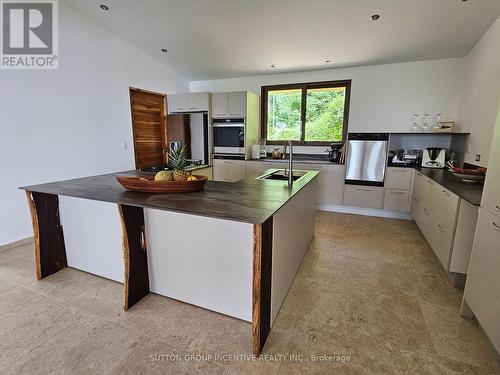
pixel 425 124
pixel 414 122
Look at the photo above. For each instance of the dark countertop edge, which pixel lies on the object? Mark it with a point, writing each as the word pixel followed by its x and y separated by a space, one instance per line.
pixel 295 161
pixel 427 172
pixel 311 175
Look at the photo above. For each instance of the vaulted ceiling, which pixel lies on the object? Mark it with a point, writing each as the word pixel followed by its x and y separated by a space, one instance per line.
pixel 209 39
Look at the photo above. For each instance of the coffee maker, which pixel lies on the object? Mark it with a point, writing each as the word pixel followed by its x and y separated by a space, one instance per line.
pixel 434 157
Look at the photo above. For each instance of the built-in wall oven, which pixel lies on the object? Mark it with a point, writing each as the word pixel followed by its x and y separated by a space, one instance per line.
pixel 229 137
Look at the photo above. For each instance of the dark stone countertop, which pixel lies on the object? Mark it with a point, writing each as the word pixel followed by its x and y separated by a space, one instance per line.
pixel 471 192
pixel 299 159
pixel 249 200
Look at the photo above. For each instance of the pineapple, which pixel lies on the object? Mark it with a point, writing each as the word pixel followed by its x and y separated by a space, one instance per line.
pixel 178 161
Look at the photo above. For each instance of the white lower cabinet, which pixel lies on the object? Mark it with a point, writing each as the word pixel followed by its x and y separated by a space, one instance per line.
pixel 363 196
pixel 330 184
pixel 228 170
pixel 257 168
pixel 436 211
pixel 330 194
pixel 483 280
pixel 396 200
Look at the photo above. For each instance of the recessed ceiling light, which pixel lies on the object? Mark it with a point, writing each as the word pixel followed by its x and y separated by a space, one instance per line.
pixel 104 7
pixel 164 50
pixel 375 17
pixel 273 65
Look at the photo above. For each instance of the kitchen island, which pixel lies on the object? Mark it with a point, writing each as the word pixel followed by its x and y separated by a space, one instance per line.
pixel 233 248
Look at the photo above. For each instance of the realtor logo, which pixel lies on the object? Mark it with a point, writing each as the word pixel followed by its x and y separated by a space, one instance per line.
pixel 29 35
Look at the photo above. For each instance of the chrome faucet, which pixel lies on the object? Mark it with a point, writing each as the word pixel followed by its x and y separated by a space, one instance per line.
pixel 290 161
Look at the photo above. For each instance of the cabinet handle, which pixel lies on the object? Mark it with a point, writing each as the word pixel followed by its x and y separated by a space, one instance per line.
pixel 495 225
pixel 415 199
pixel 363 189
pixel 235 114
pixel 193 107
pixel 430 182
pixel 399 170
pixel 497 207
pixel 441 229
pixel 427 212
pixel 397 192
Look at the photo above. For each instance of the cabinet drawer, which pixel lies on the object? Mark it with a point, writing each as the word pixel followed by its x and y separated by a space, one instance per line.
pixel 396 200
pixel 363 196
pixel 441 241
pixel 398 178
pixel 445 208
pixel 228 170
pixel 330 194
pixel 328 174
pixel 257 168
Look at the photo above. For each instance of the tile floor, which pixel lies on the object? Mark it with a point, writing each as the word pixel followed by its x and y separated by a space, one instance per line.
pixel 369 291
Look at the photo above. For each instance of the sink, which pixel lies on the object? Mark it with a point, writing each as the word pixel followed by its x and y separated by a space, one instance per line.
pixel 279 174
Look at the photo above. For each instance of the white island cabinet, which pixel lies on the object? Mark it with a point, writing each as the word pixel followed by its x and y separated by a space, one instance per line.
pixel 234 248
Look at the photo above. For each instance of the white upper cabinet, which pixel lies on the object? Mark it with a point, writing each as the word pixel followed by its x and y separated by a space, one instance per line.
pixel 220 104
pixel 177 102
pixel 198 101
pixel 192 102
pixel 237 104
pixel 229 104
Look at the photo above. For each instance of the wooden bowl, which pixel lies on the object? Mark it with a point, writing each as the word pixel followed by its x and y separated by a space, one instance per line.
pixel 149 185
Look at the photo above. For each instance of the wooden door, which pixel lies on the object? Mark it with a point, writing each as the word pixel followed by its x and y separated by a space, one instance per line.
pixel 149 127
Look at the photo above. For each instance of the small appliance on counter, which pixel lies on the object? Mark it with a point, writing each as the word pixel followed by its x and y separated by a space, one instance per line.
pixel 334 153
pixel 405 158
pixel 256 152
pixel 434 157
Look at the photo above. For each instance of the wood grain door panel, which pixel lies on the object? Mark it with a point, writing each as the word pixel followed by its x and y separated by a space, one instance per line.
pixel 149 127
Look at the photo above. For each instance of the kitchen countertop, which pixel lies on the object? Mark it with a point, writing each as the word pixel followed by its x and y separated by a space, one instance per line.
pixel 471 192
pixel 249 200
pixel 320 159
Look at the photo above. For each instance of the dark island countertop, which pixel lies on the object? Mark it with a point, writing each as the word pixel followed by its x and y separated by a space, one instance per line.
pixel 249 200
pixel 471 192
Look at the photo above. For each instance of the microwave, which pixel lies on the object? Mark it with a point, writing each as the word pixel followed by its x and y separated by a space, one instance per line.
pixel 229 136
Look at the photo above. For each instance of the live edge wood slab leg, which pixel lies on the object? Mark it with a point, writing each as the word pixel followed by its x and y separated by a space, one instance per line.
pixel 50 252
pixel 134 254
pixel 261 294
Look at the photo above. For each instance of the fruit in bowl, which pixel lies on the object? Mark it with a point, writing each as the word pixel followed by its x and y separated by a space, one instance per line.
pixel 192 178
pixel 164 176
pixel 177 159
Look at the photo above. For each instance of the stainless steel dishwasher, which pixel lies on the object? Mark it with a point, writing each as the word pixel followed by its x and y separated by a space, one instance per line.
pixel 366 159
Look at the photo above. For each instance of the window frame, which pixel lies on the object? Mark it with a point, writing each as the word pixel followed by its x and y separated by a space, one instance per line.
pixel 304 87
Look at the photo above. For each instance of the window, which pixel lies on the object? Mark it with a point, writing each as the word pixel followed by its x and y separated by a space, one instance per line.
pixel 306 113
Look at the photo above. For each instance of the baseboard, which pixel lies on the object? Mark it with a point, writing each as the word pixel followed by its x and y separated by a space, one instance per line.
pixel 365 211
pixel 12 245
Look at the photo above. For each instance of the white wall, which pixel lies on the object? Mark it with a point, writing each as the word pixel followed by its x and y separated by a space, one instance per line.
pixel 383 97
pixel 481 94
pixel 70 122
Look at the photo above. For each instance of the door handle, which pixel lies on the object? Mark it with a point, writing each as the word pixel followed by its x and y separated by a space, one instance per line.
pixel 495 225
